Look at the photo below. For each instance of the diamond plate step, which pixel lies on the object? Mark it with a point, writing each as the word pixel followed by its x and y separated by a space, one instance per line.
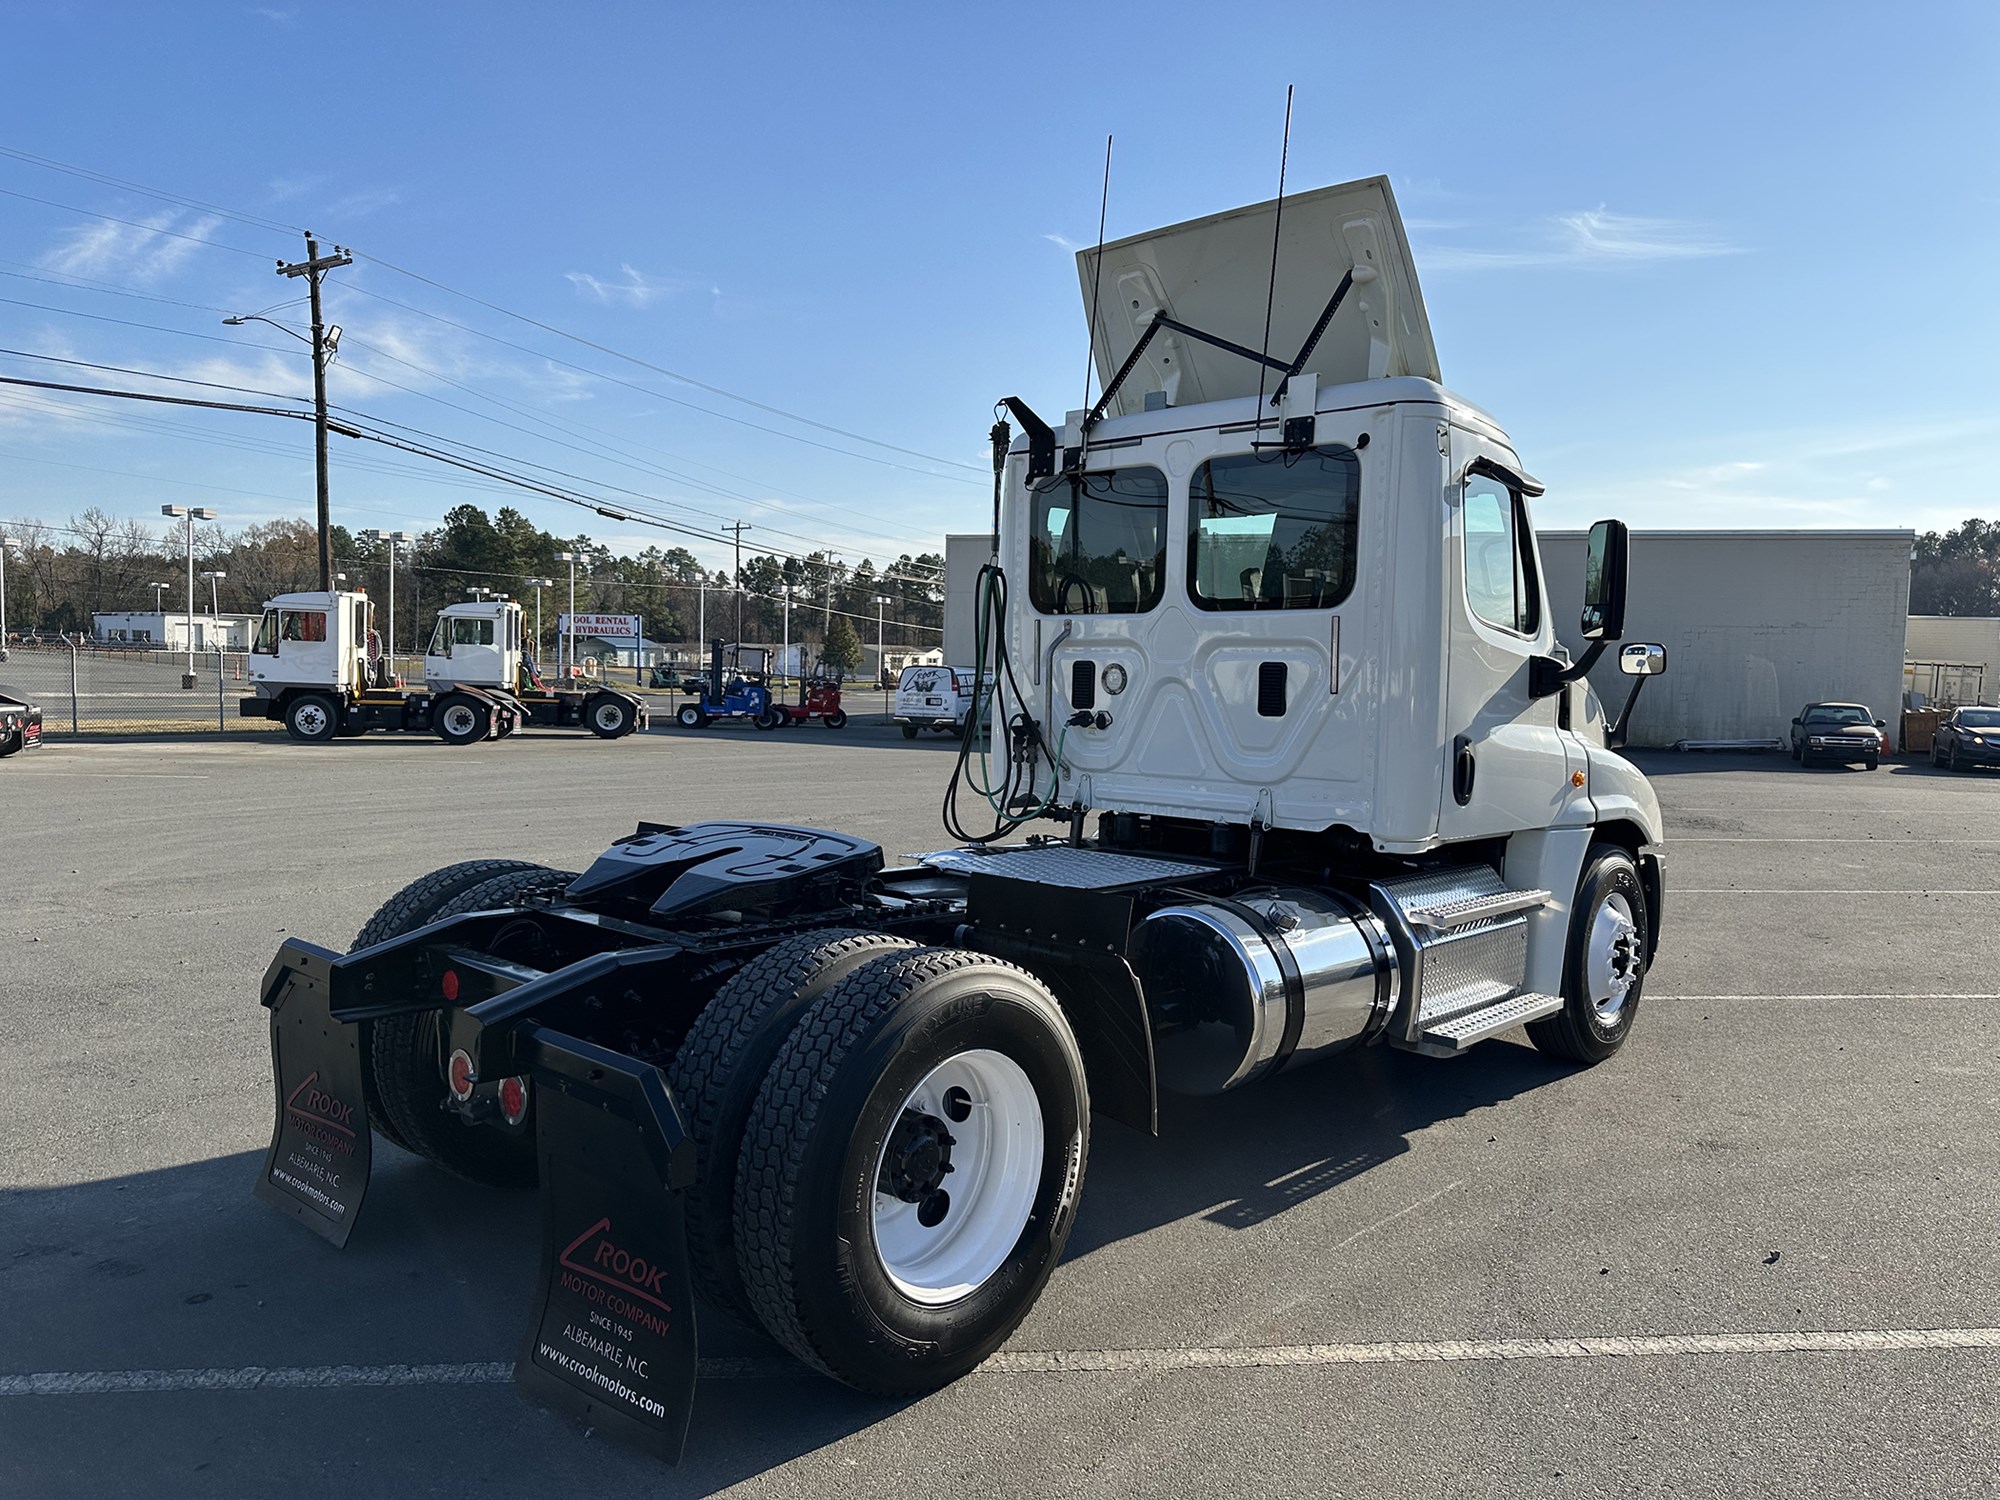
pixel 1462 1030
pixel 1446 915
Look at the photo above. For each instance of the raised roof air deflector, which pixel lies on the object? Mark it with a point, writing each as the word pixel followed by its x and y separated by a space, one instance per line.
pixel 1213 274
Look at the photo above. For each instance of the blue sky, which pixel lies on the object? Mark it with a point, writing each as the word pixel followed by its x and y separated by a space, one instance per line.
pixel 1711 265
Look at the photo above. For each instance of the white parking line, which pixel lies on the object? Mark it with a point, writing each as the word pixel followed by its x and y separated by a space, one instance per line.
pixel 1674 841
pixel 1745 890
pixel 1932 995
pixel 1055 1361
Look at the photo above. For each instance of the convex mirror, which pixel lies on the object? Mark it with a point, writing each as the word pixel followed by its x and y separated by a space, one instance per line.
pixel 1643 659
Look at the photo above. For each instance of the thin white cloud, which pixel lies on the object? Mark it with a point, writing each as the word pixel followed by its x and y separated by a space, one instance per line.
pixel 365 201
pixel 631 287
pixel 145 251
pixel 1064 242
pixel 1588 238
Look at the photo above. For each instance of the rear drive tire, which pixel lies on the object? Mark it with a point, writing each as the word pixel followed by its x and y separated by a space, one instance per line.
pixel 1604 971
pixel 770 718
pixel 608 716
pixel 416 905
pixel 312 719
pixel 460 720
pixel 909 731
pixel 690 717
pixel 719 1069
pixel 857 1256
pixel 407 1064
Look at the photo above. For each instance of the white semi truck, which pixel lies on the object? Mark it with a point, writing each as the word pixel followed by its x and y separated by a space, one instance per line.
pixel 318 669
pixel 1285 761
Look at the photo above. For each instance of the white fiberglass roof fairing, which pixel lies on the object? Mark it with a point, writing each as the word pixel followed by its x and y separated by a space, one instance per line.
pixel 1214 273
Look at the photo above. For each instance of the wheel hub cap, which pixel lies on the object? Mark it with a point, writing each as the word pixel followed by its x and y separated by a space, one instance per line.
pixel 917 1159
pixel 1614 959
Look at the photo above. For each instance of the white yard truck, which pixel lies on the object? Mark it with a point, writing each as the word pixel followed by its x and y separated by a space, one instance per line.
pixel 318 669
pixel 1285 762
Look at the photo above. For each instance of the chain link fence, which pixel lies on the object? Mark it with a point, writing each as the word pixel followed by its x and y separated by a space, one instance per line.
pixel 85 689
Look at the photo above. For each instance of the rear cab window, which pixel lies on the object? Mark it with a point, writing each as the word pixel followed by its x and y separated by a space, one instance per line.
pixel 1274 531
pixel 1098 542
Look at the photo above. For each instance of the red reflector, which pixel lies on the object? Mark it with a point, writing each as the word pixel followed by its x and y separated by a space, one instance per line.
pixel 449 984
pixel 513 1100
pixel 458 1073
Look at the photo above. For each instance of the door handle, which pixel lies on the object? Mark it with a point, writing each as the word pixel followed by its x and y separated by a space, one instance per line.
pixel 1463 768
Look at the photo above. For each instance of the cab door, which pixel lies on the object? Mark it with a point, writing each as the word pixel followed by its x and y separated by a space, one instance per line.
pixel 1508 763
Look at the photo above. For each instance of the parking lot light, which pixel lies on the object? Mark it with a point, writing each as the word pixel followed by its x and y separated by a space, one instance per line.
pixel 7 544
pixel 191 514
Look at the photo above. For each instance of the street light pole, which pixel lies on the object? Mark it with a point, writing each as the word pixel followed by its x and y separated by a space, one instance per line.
pixel 539 584
pixel 159 608
pixel 566 646
pixel 882 602
pixel 191 513
pixel 391 537
pixel 7 544
pixel 211 574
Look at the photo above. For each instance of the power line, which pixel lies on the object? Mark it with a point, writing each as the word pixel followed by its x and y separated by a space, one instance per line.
pixel 650 392
pixel 213 385
pixel 104 179
pixel 632 359
pixel 193 239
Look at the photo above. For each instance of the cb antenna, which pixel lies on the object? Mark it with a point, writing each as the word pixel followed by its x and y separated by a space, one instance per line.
pixel 1277 223
pixel 1096 282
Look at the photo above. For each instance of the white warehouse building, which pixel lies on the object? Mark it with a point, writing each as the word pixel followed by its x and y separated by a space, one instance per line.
pixel 1756 624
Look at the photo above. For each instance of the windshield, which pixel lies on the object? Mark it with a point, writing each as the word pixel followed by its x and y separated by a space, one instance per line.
pixel 1837 714
pixel 1979 718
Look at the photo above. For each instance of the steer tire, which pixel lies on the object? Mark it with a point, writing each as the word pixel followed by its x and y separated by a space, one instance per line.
pixel 836 720
pixel 691 717
pixel 417 905
pixel 1582 1032
pixel 312 719
pixel 808 1207
pixel 406 1064
pixel 721 1066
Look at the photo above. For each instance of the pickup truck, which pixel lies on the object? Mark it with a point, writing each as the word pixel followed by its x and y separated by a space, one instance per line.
pixel 20 726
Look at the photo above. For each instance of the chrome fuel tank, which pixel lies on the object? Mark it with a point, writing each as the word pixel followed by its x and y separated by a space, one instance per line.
pixel 1240 988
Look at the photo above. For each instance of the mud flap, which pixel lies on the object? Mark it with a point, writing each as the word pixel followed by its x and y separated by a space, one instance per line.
pixel 317 1167
pixel 612 1341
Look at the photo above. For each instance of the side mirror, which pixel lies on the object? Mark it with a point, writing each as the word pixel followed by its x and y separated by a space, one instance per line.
pixel 1881 723
pixel 1604 570
pixel 1643 659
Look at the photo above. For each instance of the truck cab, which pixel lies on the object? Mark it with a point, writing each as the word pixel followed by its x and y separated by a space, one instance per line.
pixel 476 644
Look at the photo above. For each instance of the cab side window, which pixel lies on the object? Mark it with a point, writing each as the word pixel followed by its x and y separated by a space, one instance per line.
pixel 1500 582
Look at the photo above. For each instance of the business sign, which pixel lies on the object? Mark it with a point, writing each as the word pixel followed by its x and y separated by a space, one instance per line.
pixel 610 627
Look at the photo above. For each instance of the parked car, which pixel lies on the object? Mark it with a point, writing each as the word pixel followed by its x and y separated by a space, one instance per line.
pixel 20 726
pixel 1970 737
pixel 933 698
pixel 1840 733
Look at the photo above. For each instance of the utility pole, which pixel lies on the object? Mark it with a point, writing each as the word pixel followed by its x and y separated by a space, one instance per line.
pixel 739 528
pixel 313 267
pixel 882 602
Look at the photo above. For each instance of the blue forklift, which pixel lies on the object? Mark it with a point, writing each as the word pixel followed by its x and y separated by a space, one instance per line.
pixel 733 692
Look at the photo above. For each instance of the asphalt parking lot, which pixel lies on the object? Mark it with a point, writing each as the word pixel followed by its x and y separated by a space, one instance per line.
pixel 1753 1254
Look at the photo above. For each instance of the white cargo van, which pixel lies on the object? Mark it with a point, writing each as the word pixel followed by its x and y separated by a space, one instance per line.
pixel 933 698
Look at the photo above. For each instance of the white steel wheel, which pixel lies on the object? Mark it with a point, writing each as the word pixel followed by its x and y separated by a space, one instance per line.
pixel 956 1179
pixel 609 718
pixel 1612 959
pixel 312 720
pixel 459 721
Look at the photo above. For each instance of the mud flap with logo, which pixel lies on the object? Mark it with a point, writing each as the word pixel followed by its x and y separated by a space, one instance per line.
pixel 317 1167
pixel 612 1341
